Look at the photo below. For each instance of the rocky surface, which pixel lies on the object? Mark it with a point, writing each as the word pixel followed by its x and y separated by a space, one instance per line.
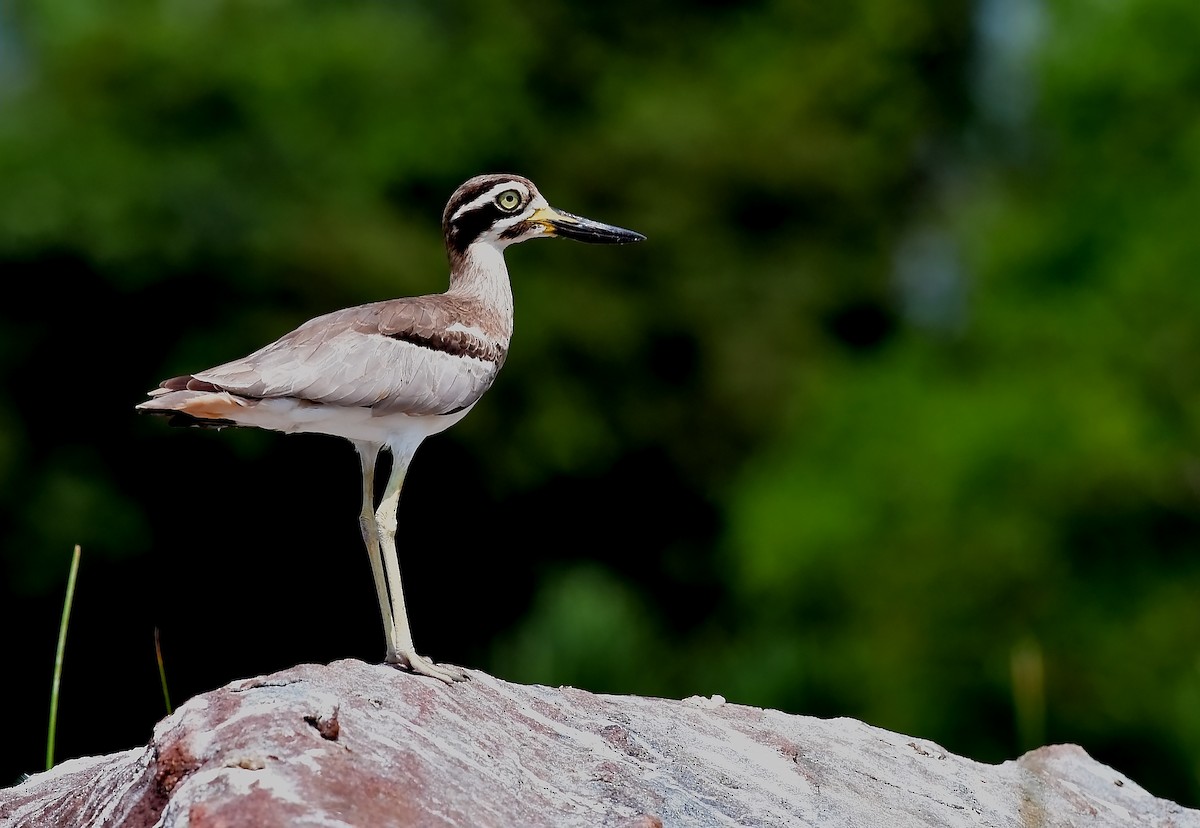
pixel 352 744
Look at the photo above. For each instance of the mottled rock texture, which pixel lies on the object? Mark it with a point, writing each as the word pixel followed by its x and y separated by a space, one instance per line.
pixel 353 744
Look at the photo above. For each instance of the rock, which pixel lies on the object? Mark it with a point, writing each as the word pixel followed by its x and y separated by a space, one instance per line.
pixel 352 744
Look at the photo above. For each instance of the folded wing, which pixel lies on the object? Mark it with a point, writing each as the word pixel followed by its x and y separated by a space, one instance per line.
pixel 420 356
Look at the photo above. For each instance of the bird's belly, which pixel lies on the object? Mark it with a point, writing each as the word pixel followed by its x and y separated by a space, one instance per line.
pixel 360 424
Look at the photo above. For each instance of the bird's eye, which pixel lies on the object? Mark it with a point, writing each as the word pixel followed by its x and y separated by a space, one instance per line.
pixel 508 200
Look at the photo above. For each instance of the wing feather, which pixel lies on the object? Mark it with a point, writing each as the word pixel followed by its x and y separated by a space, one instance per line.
pixel 424 355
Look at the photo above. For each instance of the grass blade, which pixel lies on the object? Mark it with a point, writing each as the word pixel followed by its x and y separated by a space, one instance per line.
pixel 58 657
pixel 162 673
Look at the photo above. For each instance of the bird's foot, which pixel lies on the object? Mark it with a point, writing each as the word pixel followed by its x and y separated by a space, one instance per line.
pixel 422 666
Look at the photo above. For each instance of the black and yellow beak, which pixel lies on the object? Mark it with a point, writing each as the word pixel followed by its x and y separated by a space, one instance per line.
pixel 568 226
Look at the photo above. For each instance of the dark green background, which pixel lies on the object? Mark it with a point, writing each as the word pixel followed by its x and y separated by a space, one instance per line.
pixel 895 415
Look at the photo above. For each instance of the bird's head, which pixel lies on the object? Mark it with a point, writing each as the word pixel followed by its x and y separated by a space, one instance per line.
pixel 505 209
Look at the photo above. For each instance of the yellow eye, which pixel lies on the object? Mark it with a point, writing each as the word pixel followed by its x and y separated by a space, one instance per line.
pixel 508 200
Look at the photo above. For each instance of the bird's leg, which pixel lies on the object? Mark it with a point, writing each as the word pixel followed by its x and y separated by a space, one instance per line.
pixel 368 453
pixel 385 519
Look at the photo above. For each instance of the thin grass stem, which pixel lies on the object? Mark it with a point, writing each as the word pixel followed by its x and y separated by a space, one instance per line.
pixel 58 657
pixel 162 673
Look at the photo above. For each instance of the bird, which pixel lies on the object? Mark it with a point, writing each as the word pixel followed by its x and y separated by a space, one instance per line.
pixel 388 374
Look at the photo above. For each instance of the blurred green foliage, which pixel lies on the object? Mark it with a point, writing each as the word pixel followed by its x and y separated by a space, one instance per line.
pixel 894 416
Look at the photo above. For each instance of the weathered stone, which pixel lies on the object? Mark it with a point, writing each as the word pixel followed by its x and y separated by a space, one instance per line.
pixel 353 744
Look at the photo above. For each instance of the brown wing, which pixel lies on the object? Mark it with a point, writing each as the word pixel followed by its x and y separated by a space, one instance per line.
pixel 424 355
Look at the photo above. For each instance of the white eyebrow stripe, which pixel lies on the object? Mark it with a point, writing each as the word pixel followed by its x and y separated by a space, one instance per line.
pixel 490 195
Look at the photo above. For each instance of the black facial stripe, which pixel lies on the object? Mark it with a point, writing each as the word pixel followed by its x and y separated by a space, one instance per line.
pixel 469 226
pixel 516 230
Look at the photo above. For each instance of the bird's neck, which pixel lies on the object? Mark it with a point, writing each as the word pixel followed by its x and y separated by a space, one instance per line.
pixel 480 272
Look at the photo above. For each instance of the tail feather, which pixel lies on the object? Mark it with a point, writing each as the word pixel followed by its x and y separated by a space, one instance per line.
pixel 184 383
pixel 203 408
